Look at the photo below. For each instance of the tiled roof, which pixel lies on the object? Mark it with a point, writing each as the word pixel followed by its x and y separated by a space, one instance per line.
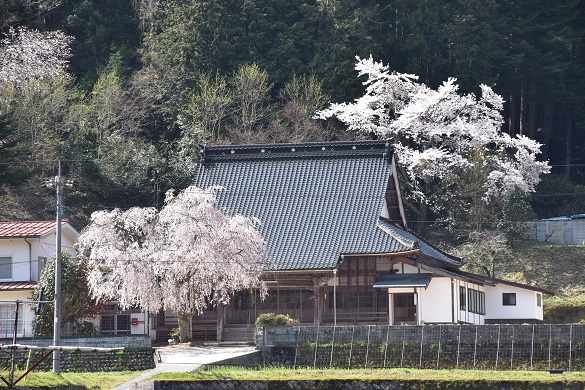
pixel 315 201
pixel 426 248
pixel 10 286
pixel 26 229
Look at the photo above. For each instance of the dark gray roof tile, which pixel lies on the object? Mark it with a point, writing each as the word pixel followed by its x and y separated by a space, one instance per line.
pixel 315 201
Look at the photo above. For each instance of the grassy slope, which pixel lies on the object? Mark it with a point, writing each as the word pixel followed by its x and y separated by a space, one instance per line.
pixel 559 268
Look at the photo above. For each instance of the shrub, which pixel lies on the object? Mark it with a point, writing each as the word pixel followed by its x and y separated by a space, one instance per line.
pixel 272 319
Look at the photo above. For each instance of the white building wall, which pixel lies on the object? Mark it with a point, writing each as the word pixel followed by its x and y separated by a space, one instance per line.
pixel 435 301
pixel 465 316
pixel 28 254
pixel 525 308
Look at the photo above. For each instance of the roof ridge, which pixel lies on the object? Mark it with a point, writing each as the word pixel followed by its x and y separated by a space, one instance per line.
pixel 413 244
pixel 295 150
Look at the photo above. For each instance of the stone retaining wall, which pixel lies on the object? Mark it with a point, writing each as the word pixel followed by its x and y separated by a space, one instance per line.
pixel 128 359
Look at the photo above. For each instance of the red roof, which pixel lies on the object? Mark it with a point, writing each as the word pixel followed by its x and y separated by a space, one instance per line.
pixel 28 285
pixel 26 229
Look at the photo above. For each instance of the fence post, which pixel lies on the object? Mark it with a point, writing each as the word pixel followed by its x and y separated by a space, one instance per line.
pixel 475 346
pixel 549 343
pixel 368 346
pixel 532 347
pixel 512 351
pixel 570 344
pixel 297 349
pixel 316 347
pixel 458 346
pixel 422 337
pixel 498 346
pixel 439 347
pixel 351 345
pixel 403 341
pixel 387 341
pixel 332 344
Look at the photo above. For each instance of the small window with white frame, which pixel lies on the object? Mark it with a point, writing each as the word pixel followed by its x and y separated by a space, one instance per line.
pixel 5 267
pixel 539 300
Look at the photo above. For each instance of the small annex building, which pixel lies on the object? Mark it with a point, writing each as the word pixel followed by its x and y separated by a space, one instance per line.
pixel 332 217
pixel 25 249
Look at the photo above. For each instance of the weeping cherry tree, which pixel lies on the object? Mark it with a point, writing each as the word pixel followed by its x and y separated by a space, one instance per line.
pixel 185 257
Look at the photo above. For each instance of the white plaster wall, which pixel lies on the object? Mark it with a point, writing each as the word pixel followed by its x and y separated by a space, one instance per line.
pixel 25 253
pixel 18 250
pixel 465 316
pixel 525 307
pixel 435 301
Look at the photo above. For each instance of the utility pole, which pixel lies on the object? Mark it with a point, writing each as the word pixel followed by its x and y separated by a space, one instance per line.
pixel 58 258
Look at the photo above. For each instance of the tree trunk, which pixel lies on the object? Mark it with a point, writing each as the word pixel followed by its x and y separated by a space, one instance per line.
pixel 220 321
pixel 512 116
pixel 532 109
pixel 568 145
pixel 185 332
pixel 547 128
pixel 523 97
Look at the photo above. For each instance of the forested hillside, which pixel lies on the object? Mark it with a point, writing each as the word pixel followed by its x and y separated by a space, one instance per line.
pixel 123 91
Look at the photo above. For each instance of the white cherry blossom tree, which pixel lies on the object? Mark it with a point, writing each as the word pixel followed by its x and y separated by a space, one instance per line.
pixel 186 257
pixel 27 54
pixel 440 136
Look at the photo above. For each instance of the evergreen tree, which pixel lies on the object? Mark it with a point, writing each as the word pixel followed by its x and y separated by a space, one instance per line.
pixel 12 153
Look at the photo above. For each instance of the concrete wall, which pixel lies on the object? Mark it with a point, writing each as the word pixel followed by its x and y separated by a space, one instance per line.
pixel 141 341
pixel 558 232
pixel 525 308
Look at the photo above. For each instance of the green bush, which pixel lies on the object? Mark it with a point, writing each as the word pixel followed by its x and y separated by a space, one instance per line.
pixel 272 319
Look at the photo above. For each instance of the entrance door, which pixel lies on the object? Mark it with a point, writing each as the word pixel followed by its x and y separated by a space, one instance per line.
pixel 404 309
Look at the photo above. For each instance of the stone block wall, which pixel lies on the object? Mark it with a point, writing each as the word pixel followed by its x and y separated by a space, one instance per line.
pixel 128 359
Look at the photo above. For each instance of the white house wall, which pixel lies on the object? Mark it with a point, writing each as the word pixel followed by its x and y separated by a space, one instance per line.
pixel 465 316
pixel 25 254
pixel 525 308
pixel 435 305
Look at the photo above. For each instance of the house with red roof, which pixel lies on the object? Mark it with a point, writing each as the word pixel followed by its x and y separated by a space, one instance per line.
pixel 25 248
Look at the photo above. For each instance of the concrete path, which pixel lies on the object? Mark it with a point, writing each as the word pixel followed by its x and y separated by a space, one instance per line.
pixel 182 358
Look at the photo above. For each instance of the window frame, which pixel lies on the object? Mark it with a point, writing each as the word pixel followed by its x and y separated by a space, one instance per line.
pixel 7 265
pixel 509 299
pixel 462 298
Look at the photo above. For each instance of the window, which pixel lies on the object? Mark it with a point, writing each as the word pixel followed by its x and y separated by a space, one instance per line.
pixel 476 301
pixel 354 300
pixel 115 324
pixel 5 267
pixel 509 299
pixel 7 317
pixel 462 299
pixel 539 300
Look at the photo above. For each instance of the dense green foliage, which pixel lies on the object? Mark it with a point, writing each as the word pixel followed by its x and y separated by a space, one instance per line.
pixel 76 302
pixel 148 80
